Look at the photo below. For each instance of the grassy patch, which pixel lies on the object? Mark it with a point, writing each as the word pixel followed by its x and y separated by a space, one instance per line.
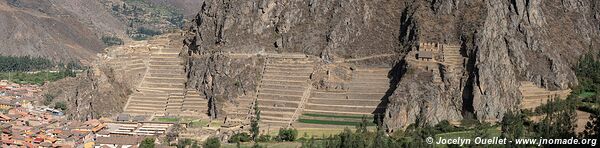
pixel 269 145
pixel 336 116
pixel 586 94
pixel 216 123
pixel 198 123
pixel 312 121
pixel 165 119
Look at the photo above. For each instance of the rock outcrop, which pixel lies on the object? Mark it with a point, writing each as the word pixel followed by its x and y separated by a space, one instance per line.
pixel 91 95
pixel 222 79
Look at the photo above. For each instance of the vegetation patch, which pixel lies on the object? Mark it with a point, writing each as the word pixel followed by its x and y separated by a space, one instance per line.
pixel 265 144
pixel 166 119
pixel 328 122
pixel 586 94
pixel 197 123
pixel 111 40
pixel 38 78
pixel 335 116
pixel 24 63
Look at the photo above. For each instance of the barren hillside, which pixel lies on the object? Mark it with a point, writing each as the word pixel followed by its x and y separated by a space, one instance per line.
pixel 39 28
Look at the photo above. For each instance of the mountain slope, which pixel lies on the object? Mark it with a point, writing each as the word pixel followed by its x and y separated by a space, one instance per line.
pixel 39 28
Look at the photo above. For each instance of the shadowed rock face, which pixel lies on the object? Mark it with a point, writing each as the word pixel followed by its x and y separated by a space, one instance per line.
pixel 503 43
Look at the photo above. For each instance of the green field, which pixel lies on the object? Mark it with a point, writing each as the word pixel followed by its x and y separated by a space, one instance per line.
pixel 165 119
pixel 269 145
pixel 336 116
pixel 198 123
pixel 328 122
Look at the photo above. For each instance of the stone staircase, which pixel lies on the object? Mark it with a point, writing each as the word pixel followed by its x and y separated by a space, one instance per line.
pixel 534 96
pixel 363 97
pixel 162 88
pixel 282 88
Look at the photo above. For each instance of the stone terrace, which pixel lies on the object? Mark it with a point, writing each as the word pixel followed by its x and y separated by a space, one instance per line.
pixel 534 96
pixel 284 86
pixel 194 102
pixel 162 87
pixel 363 97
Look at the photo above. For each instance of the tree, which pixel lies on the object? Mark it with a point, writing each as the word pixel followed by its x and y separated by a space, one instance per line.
pixel 173 133
pixel 239 137
pixel 212 142
pixel 147 143
pixel 513 126
pixel 592 127
pixel 264 138
pixel 255 129
pixel 256 145
pixel 559 121
pixel 289 134
pixel 362 126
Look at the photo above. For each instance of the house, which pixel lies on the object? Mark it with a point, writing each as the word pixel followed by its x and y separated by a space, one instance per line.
pixel 425 55
pixel 6 104
pixel 123 117
pixel 118 141
pixel 4 118
pixel 139 118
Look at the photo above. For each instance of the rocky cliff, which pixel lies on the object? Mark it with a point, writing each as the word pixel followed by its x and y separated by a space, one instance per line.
pixel 91 95
pixel 500 43
pixel 222 79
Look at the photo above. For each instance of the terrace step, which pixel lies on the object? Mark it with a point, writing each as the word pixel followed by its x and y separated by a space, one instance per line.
pixel 286 83
pixel 283 78
pixel 335 112
pixel 274 118
pixel 284 72
pixel 277 103
pixel 282 92
pixel 279 97
pixel 341 108
pixel 276 86
pixel 345 101
pixel 161 71
pixel 276 109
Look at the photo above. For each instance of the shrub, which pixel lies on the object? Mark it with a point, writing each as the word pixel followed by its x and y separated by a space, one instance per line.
pixel 147 31
pixel 444 126
pixel 212 143
pixel 110 40
pixel 264 138
pixel 239 137
pixel 287 134
pixel 61 105
pixel 48 98
pixel 147 143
